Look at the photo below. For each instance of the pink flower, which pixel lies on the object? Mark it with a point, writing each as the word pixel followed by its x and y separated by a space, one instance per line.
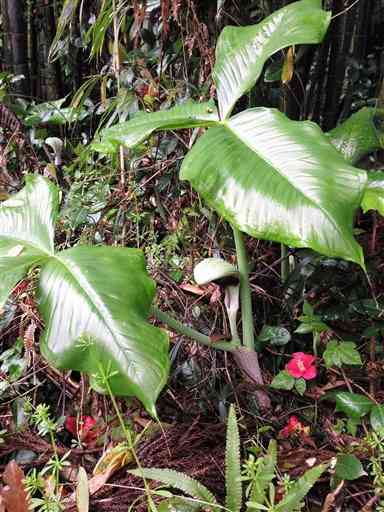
pixel 294 426
pixel 301 366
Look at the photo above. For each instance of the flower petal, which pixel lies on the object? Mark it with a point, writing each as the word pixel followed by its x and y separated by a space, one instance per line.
pixel 298 355
pixel 310 373
pixel 308 359
pixel 293 369
pixel 70 424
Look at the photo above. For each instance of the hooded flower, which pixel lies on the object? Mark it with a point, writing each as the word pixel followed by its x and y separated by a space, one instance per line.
pixel 301 366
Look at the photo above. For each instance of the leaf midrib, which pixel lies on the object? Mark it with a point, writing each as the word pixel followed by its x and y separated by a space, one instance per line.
pixel 56 257
pixel 225 124
pixel 90 301
pixel 22 242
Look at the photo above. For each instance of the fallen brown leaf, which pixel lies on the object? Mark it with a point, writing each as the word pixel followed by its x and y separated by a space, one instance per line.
pixel 196 290
pixel 14 496
pixel 331 498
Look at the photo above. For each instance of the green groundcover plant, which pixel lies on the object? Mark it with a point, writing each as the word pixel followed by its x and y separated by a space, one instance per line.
pixel 259 474
pixel 268 176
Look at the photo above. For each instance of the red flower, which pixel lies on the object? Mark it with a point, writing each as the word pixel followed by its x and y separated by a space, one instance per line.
pixel 301 366
pixel 294 426
pixel 82 427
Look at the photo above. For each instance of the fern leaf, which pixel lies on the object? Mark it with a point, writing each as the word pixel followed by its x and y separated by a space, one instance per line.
pixel 300 489
pixel 265 474
pixel 179 481
pixel 232 465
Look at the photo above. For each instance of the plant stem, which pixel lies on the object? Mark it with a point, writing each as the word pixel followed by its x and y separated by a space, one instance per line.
pixel 284 271
pixel 184 330
pixel 116 65
pixel 128 436
pixel 245 291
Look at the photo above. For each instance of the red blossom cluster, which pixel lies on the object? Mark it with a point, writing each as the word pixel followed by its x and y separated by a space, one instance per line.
pixel 82 427
pixel 294 426
pixel 302 366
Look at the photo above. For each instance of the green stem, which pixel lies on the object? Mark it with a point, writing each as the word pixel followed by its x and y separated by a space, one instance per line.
pixel 128 437
pixel 316 341
pixel 245 291
pixel 184 330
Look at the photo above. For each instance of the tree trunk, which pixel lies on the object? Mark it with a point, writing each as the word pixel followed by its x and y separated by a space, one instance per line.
pixel 15 40
pixel 49 86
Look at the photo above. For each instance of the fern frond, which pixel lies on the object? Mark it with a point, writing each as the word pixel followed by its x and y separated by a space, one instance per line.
pixel 179 481
pixel 232 465
pixel 265 474
pixel 300 489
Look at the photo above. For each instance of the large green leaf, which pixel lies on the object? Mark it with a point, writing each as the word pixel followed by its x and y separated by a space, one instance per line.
pixel 242 51
pixel 354 405
pixel 359 135
pixel 278 179
pixel 377 418
pixel 131 133
pixel 95 302
pixel 26 231
pixel 348 467
pixel 373 198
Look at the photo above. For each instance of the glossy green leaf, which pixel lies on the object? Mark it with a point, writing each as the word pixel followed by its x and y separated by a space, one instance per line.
pixel 95 302
pixel 274 335
pixel 300 386
pixel 26 231
pixel 131 133
pixel 353 405
pixel 359 135
pixel 300 489
pixel 241 52
pixel 312 326
pixel 233 487
pixel 348 467
pixel 280 180
pixel 283 380
pixel 377 418
pixel 373 198
pixel 339 353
